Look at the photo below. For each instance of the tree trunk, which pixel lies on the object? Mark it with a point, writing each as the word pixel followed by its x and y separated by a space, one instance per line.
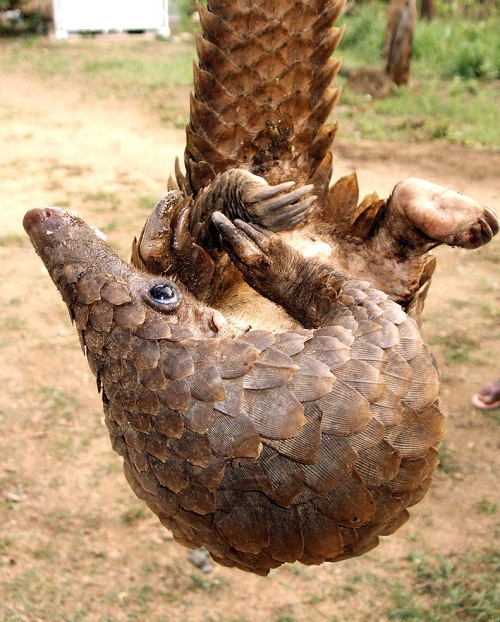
pixel 398 45
pixel 427 10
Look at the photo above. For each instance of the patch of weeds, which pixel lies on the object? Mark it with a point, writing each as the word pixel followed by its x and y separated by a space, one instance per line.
pixel 111 226
pixel 5 543
pixel 12 323
pixel 202 583
pixel 104 201
pixel 134 515
pixel 448 463
pixel 457 347
pixel 59 403
pixel 458 303
pixel 15 239
pixel 147 203
pixel 444 590
pixel 175 116
pixel 46 552
pixel 485 506
pixel 285 616
pixel 57 518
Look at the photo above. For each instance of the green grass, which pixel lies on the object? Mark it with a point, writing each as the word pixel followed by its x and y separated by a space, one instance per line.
pixel 454 93
pixel 446 590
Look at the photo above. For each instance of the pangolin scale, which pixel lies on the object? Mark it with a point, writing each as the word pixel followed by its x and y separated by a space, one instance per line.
pixel 266 445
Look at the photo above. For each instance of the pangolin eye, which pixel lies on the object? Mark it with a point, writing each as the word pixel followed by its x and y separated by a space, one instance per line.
pixel 165 294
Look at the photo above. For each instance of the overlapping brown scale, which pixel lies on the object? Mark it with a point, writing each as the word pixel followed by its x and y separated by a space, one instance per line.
pixel 118 343
pixel 276 412
pixel 397 374
pixel 413 473
pixel 214 60
pixel 191 447
pixel 111 370
pixel 94 340
pixel 168 422
pixel 371 354
pixel 197 498
pixel 133 437
pixel 291 343
pixel 232 403
pixel 372 435
pixel 245 474
pixel 411 342
pixel 286 477
pixel 147 401
pixel 328 350
pixel 140 421
pixel 312 380
pixel 144 354
pixel 88 286
pixel 378 464
pixel 177 363
pixel 304 446
pixel 139 461
pixel 271 369
pixel 243 21
pixel 362 377
pixel 425 383
pixel 336 458
pixel 350 503
pixel 234 437
pixel 154 328
pixel 152 379
pixel 172 473
pixel 217 30
pixel 197 416
pixel 129 315
pixel 115 293
pixel 345 411
pixel 286 540
pixel 320 534
pixel 387 409
pixel 100 316
pixel 260 339
pixel 235 528
pixel 210 475
pixel 205 384
pixel 417 431
pixel 80 315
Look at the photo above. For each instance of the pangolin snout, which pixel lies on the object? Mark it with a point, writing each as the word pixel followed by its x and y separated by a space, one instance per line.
pixel 43 221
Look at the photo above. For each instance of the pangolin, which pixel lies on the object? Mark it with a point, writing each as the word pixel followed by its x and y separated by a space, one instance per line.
pixel 306 439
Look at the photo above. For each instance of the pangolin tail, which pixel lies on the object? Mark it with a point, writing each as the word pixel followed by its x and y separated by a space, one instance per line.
pixel 262 92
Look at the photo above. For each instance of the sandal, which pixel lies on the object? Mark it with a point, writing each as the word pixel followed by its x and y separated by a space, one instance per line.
pixel 488 398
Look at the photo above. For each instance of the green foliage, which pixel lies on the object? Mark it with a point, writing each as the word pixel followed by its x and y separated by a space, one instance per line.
pixel 447 590
pixel 22 21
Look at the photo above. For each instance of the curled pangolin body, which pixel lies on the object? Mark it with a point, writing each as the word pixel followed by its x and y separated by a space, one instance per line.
pixel 263 447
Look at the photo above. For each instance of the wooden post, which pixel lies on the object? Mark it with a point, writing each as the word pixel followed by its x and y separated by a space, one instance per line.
pixel 398 45
pixel 427 10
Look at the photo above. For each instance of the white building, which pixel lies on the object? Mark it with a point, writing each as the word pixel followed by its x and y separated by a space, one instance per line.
pixel 110 16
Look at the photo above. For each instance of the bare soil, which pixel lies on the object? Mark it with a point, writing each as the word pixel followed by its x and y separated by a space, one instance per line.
pixel 75 544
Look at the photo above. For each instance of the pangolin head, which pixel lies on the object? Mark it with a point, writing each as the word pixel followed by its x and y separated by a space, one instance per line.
pixel 87 271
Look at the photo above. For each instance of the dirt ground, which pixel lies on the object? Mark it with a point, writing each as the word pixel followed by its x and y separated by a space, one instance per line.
pixel 75 544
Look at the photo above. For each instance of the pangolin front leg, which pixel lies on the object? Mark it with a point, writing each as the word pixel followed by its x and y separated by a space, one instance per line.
pixel 310 291
pixel 179 238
